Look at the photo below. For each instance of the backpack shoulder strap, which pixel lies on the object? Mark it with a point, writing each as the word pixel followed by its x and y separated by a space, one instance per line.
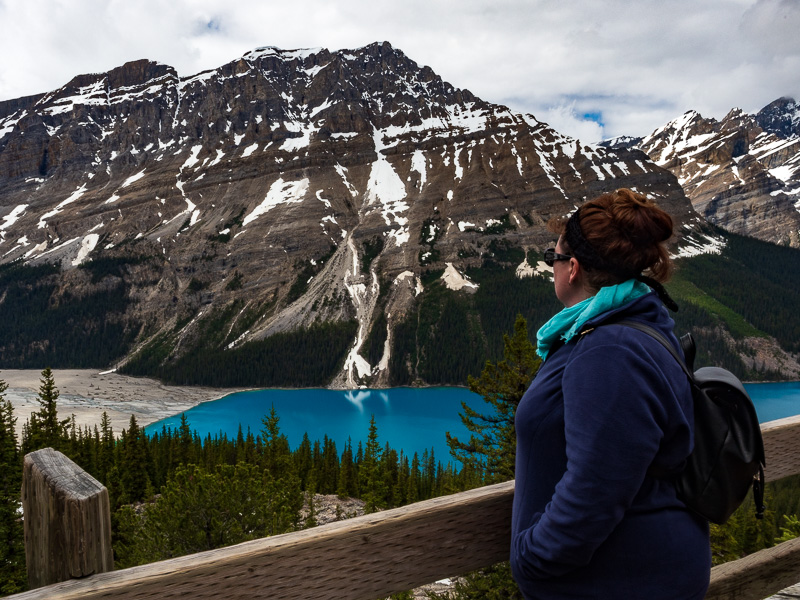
pixel 663 341
pixel 689 349
pixel 654 470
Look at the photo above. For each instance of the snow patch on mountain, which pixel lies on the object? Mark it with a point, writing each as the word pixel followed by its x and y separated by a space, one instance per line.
pixel 11 218
pixel 72 198
pixel 133 179
pixel 418 164
pixel 87 245
pixel 695 244
pixel 385 187
pixel 280 192
pixel 192 160
pixel 455 280
pixel 364 298
pixel 249 150
pixel 342 171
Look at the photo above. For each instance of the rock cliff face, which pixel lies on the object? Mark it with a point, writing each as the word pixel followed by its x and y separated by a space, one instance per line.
pixel 741 173
pixel 295 182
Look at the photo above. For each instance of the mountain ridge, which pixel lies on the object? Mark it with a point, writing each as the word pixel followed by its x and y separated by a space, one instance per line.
pixel 283 192
pixel 741 172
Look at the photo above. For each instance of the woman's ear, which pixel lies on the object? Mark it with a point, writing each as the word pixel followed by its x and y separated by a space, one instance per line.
pixel 575 271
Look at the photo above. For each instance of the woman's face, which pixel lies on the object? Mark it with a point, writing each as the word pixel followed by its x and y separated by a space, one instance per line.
pixel 568 279
pixel 561 269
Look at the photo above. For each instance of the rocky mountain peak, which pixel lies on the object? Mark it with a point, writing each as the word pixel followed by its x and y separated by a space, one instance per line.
pixel 287 188
pixel 781 117
pixel 742 172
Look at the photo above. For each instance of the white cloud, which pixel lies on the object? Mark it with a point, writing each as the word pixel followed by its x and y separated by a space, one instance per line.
pixel 566 120
pixel 637 64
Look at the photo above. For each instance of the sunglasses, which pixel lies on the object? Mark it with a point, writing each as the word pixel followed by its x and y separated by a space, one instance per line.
pixel 551 256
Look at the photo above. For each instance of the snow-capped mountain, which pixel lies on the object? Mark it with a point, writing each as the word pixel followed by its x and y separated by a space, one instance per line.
pixel 742 173
pixel 298 186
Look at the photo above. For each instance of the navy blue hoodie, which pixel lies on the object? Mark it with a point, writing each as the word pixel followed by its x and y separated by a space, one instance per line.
pixel 588 521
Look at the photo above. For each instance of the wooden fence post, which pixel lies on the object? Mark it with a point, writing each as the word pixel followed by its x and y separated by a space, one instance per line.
pixel 67 519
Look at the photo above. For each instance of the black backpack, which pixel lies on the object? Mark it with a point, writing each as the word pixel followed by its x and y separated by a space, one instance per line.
pixel 728 455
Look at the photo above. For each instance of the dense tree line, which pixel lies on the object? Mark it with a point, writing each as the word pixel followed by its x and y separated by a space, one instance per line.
pixel 12 547
pixel 43 324
pixel 440 342
pixel 501 296
pixel 770 299
pixel 713 347
pixel 305 357
pixel 713 302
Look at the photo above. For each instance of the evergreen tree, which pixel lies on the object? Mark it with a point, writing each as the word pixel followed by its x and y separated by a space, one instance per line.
pixel 371 481
pixel 311 517
pixel 757 534
pixel 277 454
pixel 390 471
pixel 412 490
pixel 790 529
pixel 400 491
pixel 200 510
pixel 44 428
pixel 250 451
pixel 134 478
pixel 12 550
pixel 329 474
pixel 105 449
pixel 492 444
pixel 724 545
pixel 303 461
pixel 347 485
pixel 240 448
pixel 185 441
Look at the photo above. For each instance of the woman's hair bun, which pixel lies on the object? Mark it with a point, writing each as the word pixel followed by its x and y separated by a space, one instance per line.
pixel 627 231
pixel 640 219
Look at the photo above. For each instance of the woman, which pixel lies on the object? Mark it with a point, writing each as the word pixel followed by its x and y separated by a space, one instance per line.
pixel 607 404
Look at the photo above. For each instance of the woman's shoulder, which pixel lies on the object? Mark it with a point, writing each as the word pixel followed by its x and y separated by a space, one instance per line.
pixel 609 328
pixel 619 351
pixel 610 338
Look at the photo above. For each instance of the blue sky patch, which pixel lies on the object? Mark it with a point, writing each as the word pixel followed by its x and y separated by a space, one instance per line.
pixel 597 117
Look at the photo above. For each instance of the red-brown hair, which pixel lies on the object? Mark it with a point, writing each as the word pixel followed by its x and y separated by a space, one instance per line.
pixel 627 231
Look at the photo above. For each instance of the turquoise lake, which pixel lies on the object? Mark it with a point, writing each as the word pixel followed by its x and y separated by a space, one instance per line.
pixel 410 419
pixel 775 400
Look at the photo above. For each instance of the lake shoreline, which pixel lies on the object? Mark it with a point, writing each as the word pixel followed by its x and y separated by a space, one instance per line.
pixel 87 393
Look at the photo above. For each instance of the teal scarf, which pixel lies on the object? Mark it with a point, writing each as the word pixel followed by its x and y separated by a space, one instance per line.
pixel 567 323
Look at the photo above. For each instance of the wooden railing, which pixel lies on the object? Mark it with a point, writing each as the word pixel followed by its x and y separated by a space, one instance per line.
pixel 376 555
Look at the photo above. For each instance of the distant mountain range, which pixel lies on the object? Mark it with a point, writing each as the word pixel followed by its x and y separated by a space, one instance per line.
pixel 741 173
pixel 299 217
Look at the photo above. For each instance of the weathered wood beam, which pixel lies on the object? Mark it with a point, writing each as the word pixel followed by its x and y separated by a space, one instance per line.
pixel 782 448
pixel 757 575
pixel 67 520
pixel 363 558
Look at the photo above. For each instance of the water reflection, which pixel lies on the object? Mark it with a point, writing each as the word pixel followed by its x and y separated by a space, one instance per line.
pixel 357 397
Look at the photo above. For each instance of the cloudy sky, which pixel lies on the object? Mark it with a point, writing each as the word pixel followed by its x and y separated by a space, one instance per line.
pixel 592 69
